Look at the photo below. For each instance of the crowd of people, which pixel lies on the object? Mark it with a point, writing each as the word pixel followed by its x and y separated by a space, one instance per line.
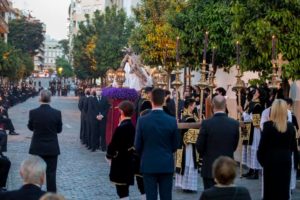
pixel 9 97
pixel 269 144
pixel 155 152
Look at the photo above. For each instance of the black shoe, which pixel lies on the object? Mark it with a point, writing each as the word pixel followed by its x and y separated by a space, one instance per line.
pixel 253 176
pixel 3 189
pixel 13 133
pixel 249 173
pixel 93 150
pixel 189 191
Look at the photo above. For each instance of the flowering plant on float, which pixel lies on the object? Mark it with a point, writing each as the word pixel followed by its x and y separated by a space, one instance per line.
pixel 120 93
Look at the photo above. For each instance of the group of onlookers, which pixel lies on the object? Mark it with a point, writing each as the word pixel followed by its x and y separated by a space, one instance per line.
pixel 269 144
pixel 94 109
pixel 44 148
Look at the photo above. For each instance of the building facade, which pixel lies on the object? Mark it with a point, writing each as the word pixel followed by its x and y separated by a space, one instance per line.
pixel 5 7
pixel 53 50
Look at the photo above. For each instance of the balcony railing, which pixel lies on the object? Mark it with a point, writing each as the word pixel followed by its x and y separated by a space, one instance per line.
pixel 3 26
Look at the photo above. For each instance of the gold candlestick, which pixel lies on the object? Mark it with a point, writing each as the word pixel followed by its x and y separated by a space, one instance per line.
pixel 177 83
pixel 202 85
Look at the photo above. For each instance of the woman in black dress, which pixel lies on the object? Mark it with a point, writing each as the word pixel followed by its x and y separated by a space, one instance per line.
pixel 277 143
pixel 120 151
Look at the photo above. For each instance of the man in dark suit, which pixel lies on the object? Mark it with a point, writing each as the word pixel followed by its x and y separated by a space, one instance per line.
pixel 102 109
pixel 89 109
pixel 219 136
pixel 46 122
pixel 156 140
pixel 32 172
pixel 97 112
pixel 83 128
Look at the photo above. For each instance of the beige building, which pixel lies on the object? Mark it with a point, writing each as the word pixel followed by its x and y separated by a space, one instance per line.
pixel 5 7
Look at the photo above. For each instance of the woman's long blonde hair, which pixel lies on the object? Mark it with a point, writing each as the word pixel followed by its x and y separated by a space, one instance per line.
pixel 279 115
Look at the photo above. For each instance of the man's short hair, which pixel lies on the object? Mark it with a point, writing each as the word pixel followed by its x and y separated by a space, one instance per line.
pixel 219 102
pixel 127 107
pixel 221 91
pixel 33 169
pixel 224 170
pixel 45 96
pixel 158 96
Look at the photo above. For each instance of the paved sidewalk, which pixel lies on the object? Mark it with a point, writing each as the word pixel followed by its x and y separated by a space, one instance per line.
pixel 81 175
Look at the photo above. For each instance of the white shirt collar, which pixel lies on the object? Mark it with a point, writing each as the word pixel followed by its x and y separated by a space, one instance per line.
pixel 157 108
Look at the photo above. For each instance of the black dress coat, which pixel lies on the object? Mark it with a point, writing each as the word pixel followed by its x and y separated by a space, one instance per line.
pixel 26 192
pixel 82 116
pixel 225 193
pixel 45 122
pixel 219 136
pixel 120 151
pixel 275 154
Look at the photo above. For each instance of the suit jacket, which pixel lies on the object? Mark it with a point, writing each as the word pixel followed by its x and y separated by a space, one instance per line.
pixel 219 136
pixel 81 102
pixel 96 106
pixel 26 192
pixel 225 193
pixel 156 140
pixel 45 122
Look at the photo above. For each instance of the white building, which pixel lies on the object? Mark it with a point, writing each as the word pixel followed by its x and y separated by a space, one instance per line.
pixel 53 50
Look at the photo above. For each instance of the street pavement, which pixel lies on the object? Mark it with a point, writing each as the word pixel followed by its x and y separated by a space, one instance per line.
pixel 81 174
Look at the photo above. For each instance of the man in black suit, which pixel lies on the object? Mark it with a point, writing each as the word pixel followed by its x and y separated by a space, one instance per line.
pixel 83 128
pixel 97 109
pixel 32 172
pixel 219 136
pixel 46 122
pixel 156 140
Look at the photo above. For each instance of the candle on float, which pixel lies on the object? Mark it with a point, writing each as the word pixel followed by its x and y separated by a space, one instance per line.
pixel 205 46
pixel 238 53
pixel 177 50
pixel 273 47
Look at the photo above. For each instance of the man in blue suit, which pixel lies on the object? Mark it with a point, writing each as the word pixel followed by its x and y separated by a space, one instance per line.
pixel 156 140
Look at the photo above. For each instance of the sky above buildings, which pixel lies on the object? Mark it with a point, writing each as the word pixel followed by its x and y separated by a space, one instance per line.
pixel 54 13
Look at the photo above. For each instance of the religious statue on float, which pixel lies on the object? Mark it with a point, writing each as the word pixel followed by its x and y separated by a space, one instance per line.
pixel 136 75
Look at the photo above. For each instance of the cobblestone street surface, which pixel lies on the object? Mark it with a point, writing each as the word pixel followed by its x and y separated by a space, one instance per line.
pixel 82 175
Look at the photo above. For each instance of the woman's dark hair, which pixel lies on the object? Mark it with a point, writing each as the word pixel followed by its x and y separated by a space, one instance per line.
pixel 127 107
pixel 224 170
pixel 188 102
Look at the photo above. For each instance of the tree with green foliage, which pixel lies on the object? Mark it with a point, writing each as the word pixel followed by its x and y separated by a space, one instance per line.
pixel 254 23
pixel 64 64
pixel 98 45
pixel 82 62
pixel 26 35
pixel 14 63
pixel 154 38
pixel 196 18
pixel 65 47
